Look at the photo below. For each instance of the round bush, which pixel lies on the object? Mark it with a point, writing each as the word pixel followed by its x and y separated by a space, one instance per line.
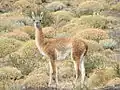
pixel 62 17
pixel 108 53
pixel 114 81
pixel 8 73
pixel 95 60
pixel 108 43
pixel 116 6
pixel 29 30
pixel 88 7
pixel 71 29
pixel 19 35
pixel 37 78
pixel 27 58
pixel 93 34
pixel 49 32
pixel 66 71
pixel 93 46
pixel 55 6
pixel 93 21
pixel 8 45
pixel 22 4
pixel 100 77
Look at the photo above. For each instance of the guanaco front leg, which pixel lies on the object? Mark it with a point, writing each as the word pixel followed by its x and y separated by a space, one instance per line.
pixel 53 72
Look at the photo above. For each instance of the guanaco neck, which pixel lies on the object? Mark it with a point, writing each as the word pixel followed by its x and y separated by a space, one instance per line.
pixel 39 36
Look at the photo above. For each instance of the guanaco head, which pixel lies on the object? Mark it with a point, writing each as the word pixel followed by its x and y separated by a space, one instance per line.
pixel 37 19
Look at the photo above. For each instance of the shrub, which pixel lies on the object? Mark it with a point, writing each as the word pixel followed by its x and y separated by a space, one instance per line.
pixel 88 7
pixel 19 35
pixel 66 71
pixel 95 61
pixel 27 58
pixel 71 29
pixel 22 3
pixel 7 5
pixel 8 45
pixel 55 6
pixel 49 32
pixel 116 6
pixel 108 43
pixel 114 81
pixel 108 53
pixel 93 46
pixel 93 5
pixel 93 21
pixel 7 73
pixel 29 30
pixel 6 26
pixel 25 6
pixel 62 17
pixel 101 77
pixel 93 34
pixel 37 78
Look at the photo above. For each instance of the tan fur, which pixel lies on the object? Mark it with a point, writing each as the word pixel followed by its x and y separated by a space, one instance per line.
pixel 55 48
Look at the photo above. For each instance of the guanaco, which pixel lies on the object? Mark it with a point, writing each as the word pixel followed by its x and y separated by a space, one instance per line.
pixel 57 49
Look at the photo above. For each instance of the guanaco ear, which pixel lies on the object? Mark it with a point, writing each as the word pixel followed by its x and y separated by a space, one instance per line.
pixel 33 15
pixel 41 15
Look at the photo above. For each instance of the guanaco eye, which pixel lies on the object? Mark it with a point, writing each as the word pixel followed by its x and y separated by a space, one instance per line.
pixel 40 20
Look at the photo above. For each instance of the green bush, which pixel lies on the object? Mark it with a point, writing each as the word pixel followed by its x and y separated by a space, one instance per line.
pixel 93 21
pixel 116 6
pixel 88 7
pixel 29 30
pixel 19 35
pixel 8 73
pixel 26 58
pixel 6 26
pixel 108 53
pixel 55 6
pixel 66 71
pixel 108 43
pixel 8 45
pixel 93 46
pixel 100 77
pixel 95 61
pixel 93 34
pixel 114 81
pixel 62 17
pixel 37 78
pixel 49 32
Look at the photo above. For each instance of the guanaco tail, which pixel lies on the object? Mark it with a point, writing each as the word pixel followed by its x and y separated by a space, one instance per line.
pixel 58 49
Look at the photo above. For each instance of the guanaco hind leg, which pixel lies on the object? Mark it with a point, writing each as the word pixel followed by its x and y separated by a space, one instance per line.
pixel 78 58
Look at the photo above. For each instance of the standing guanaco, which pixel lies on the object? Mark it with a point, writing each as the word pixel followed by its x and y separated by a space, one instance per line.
pixel 57 49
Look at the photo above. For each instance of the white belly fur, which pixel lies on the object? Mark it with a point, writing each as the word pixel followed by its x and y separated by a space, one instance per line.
pixel 61 55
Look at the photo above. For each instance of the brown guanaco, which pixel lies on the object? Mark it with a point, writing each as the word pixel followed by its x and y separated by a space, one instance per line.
pixel 57 49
